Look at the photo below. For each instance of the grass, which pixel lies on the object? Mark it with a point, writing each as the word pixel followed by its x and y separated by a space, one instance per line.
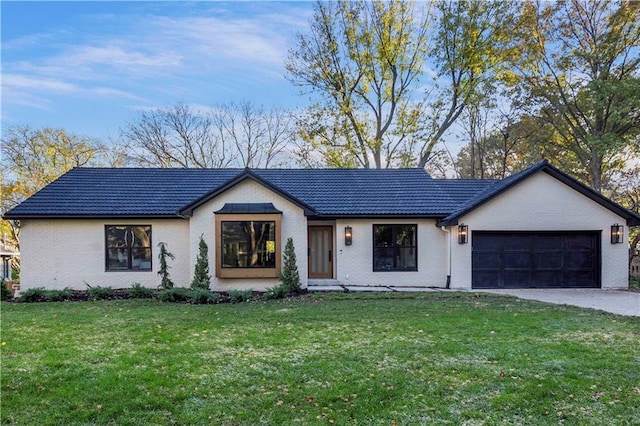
pixel 320 359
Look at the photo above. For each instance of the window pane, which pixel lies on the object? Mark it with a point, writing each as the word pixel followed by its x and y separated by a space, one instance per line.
pixel 141 236
pixel 383 259
pixel 383 236
pixel 248 244
pixel 116 236
pixel 141 259
pixel 406 258
pixel 118 258
pixel 406 236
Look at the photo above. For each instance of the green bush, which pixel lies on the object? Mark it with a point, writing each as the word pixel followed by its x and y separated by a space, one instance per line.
pixel 100 293
pixel 58 295
pixel 634 283
pixel 277 292
pixel 5 292
pixel 289 276
pixel 201 277
pixel 239 296
pixel 37 294
pixel 138 291
pixel 174 294
pixel 202 296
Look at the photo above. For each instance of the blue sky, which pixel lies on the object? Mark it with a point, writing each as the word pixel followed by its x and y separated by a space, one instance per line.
pixel 89 67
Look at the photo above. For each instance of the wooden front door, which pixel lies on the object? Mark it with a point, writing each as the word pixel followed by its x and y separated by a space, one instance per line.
pixel 320 251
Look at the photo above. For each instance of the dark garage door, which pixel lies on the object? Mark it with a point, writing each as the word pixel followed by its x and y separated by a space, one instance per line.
pixel 535 260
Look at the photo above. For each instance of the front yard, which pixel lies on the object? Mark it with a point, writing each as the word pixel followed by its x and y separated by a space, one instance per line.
pixel 319 359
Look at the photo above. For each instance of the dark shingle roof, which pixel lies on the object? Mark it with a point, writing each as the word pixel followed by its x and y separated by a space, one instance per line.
pixel 130 192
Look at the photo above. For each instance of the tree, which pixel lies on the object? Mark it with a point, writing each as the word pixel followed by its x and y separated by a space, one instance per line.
pixel 163 271
pixel 579 67
pixel 363 59
pixel 33 158
pixel 366 61
pixel 289 276
pixel 201 277
pixel 470 50
pixel 229 135
pixel 259 136
pixel 625 189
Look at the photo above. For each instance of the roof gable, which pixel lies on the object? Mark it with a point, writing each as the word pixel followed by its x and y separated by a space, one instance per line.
pixel 544 166
pixel 247 174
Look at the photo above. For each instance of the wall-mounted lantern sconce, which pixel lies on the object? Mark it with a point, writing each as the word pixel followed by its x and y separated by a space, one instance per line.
pixel 463 232
pixel 348 236
pixel 15 223
pixel 616 233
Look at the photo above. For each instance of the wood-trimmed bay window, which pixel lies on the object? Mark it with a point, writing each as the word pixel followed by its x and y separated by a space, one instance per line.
pixel 248 245
pixel 395 247
pixel 128 247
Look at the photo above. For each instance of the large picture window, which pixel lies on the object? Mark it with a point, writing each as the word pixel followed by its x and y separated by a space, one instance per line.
pixel 128 247
pixel 395 248
pixel 248 244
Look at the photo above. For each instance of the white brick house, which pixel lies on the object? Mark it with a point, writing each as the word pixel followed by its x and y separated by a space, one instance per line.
pixel 538 228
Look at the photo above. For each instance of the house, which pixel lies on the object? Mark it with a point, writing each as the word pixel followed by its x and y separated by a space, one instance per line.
pixel 394 227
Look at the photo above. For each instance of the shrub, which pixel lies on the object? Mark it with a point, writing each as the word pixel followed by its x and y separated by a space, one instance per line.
pixel 5 294
pixel 173 294
pixel 289 276
pixel 58 295
pixel 138 291
pixel 100 293
pixel 201 277
pixel 239 296
pixel 165 281
pixel 277 292
pixel 37 294
pixel 201 296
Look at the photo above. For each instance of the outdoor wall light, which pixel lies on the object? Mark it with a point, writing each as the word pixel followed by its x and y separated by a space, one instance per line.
pixel 616 233
pixel 348 236
pixel 463 232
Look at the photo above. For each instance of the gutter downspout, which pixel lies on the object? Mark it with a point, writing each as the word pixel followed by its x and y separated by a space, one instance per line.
pixel 448 232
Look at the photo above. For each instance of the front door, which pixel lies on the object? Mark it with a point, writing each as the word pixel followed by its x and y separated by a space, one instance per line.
pixel 320 252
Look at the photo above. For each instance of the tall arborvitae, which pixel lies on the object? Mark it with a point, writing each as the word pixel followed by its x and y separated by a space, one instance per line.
pixel 289 276
pixel 201 277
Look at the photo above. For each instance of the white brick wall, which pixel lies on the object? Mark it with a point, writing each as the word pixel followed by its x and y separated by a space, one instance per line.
pixel 542 203
pixel 355 262
pixel 69 253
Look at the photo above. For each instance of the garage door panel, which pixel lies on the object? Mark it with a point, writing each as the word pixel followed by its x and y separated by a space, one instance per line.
pixel 517 260
pixel 487 260
pixel 516 279
pixel 530 259
pixel 548 279
pixel 579 260
pixel 548 260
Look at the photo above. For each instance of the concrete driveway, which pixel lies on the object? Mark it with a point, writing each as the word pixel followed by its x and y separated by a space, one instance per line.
pixel 615 301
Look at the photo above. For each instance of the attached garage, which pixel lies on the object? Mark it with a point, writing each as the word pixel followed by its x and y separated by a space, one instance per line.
pixel 536 259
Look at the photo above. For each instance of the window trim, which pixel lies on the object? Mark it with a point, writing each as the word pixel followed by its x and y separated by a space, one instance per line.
pixel 395 246
pixel 262 272
pixel 129 258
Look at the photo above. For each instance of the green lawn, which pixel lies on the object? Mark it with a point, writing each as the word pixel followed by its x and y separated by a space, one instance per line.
pixel 320 359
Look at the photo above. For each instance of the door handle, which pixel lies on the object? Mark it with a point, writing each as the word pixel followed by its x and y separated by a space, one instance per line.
pixel 330 259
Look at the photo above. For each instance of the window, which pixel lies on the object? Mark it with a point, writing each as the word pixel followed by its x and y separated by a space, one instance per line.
pixel 128 247
pixel 249 244
pixel 394 248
